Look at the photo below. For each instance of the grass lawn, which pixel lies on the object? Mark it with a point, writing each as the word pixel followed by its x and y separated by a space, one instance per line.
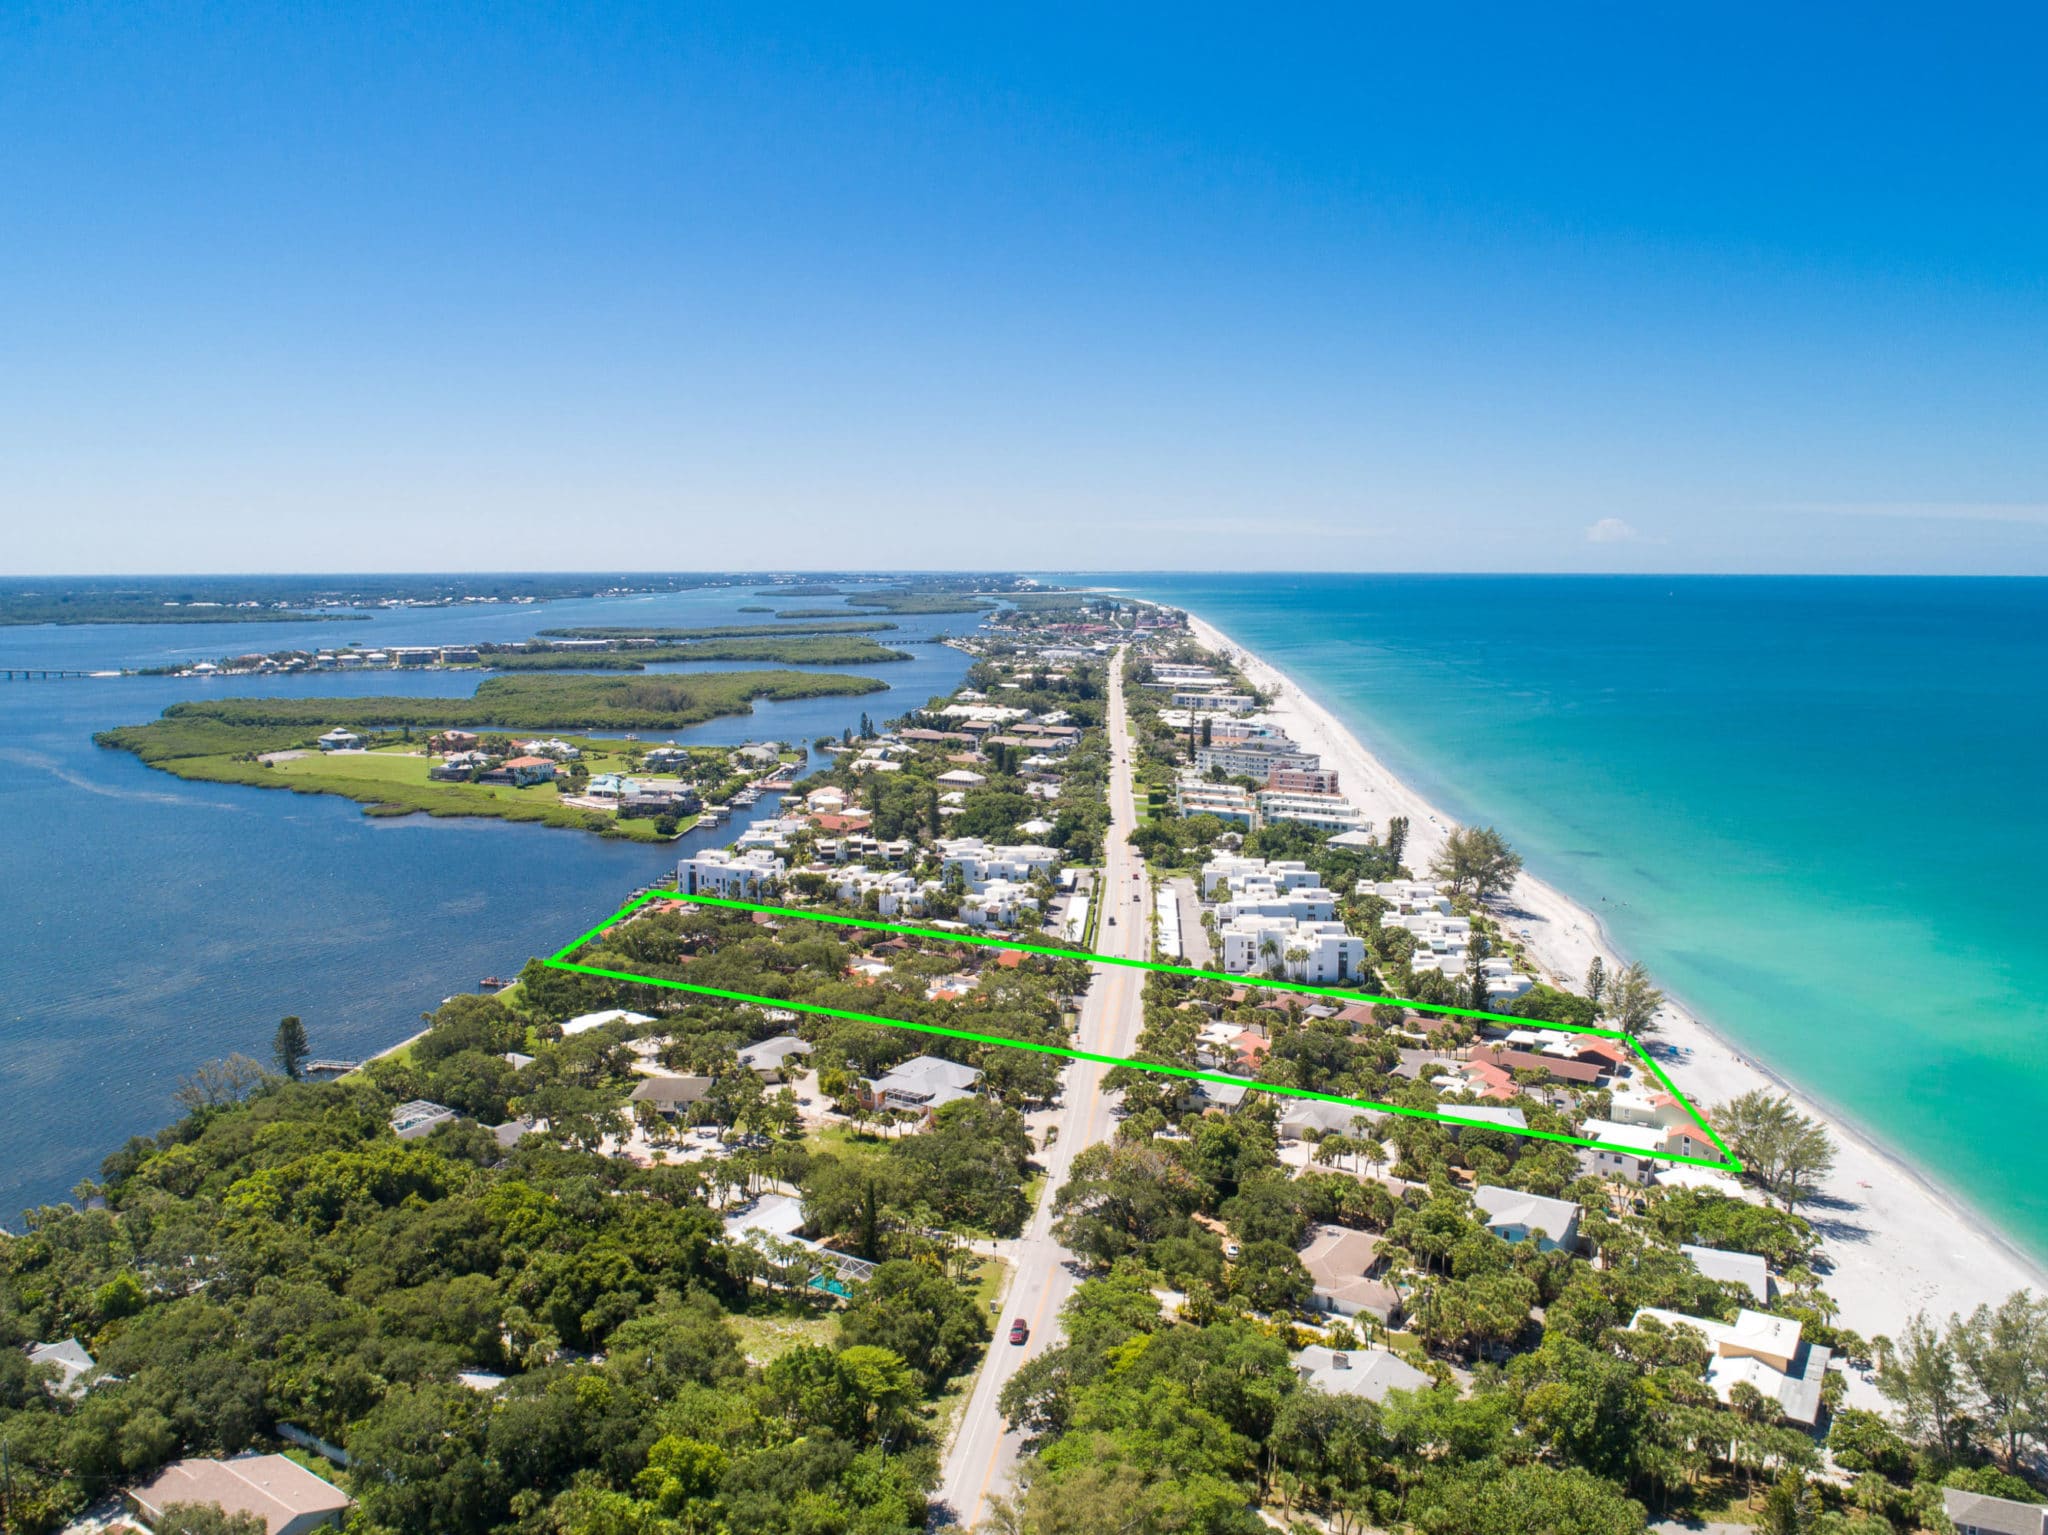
pixel 774 1327
pixel 989 1279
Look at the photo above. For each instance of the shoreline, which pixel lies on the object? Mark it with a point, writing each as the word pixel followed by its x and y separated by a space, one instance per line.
pixel 1895 1240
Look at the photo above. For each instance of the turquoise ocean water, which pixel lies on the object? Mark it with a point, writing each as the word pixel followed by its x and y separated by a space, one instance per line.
pixel 1815 808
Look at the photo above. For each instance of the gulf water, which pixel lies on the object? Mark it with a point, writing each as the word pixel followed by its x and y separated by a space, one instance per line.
pixel 147 924
pixel 1814 807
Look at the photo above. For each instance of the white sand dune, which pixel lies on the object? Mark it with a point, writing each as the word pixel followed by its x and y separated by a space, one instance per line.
pixel 1897 1243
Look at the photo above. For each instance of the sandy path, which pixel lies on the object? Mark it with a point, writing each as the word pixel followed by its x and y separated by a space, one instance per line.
pixel 1898 1243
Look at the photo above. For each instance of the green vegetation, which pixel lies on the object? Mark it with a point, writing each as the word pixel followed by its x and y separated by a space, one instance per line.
pixel 1783 1152
pixel 789 649
pixel 278 1255
pixel 515 703
pixel 919 602
pixel 394 777
pixel 394 782
pixel 1476 861
pixel 716 631
pixel 286 599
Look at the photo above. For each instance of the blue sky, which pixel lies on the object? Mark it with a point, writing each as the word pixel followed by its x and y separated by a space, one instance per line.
pixel 1488 288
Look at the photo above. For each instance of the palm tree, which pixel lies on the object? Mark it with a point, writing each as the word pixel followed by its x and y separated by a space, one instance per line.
pixel 1375 1153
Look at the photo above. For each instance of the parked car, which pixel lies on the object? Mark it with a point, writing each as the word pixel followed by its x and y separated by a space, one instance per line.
pixel 1019 1331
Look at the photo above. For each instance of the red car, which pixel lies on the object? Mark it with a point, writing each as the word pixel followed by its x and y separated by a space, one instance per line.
pixel 1018 1331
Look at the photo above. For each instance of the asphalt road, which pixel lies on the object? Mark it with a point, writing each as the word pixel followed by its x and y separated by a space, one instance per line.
pixel 983 1455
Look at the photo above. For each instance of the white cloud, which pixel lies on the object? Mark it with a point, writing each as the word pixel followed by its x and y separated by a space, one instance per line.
pixel 1611 530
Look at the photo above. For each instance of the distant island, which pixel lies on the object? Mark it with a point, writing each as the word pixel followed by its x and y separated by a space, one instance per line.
pixel 305 599
pixel 565 650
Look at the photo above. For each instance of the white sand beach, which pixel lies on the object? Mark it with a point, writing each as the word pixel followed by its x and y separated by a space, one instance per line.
pixel 1897 1243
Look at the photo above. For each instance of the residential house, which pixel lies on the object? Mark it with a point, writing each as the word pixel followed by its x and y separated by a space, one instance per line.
pixel 1625 1151
pixel 418 1118
pixel 585 1022
pixel 1762 1350
pixel 441 743
pixel 289 1499
pixel 339 740
pixel 1571 1072
pixel 530 770
pixel 1491 1115
pixel 671 1095
pixel 1746 1269
pixel 1978 1513
pixel 1518 1217
pixel 1300 1116
pixel 1367 1372
pixel 772 1058
pixel 925 1083
pixel 1344 1263
pixel 71 1362
pixel 1633 1104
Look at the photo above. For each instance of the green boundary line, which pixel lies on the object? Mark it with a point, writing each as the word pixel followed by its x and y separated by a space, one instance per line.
pixel 559 960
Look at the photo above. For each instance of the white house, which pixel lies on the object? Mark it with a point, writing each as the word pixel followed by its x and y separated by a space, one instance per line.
pixel 734 877
pixel 589 1021
pixel 926 1082
pixel 1746 1269
pixel 1367 1372
pixel 1979 1513
pixel 1624 1150
pixel 1518 1217
pixel 1762 1350
pixel 339 740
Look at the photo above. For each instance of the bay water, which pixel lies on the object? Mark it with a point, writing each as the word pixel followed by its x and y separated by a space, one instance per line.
pixel 149 924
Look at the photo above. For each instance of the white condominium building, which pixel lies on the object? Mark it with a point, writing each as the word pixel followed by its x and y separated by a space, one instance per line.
pixel 1407 896
pixel 1263 898
pixel 1318 953
pixel 1324 812
pixel 979 862
pixel 730 876
pixel 1234 869
pixel 1226 801
pixel 999 903
pixel 1253 759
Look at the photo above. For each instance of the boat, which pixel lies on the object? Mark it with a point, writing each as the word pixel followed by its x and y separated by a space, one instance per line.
pixel 493 982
